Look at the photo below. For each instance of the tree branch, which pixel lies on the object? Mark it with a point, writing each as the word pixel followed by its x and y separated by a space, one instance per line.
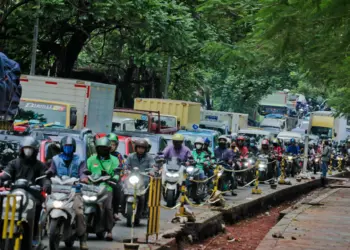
pixel 12 9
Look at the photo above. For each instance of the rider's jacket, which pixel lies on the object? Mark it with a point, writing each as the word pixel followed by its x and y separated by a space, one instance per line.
pixel 62 169
pixel 243 151
pixel 120 158
pixel 200 158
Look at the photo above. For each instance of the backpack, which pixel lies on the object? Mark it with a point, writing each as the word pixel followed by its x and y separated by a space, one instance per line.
pixel 10 88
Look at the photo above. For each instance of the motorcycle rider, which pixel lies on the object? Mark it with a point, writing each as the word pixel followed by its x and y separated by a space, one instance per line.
pixel 177 149
pixel 265 147
pixel 26 166
pixel 200 156
pixel 326 156
pixel 252 146
pixel 67 163
pixel 114 146
pixel 277 149
pixel 96 163
pixel 206 147
pixel 143 161
pixel 243 150
pixel 116 189
pixel 293 148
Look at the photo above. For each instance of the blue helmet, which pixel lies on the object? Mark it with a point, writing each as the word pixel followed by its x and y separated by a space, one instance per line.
pixel 292 140
pixel 207 141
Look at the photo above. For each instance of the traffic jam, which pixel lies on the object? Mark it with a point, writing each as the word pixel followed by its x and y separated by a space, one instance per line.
pixel 74 166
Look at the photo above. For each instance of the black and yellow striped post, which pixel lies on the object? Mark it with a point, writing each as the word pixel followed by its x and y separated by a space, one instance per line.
pixel 330 166
pixel 283 172
pixel 155 189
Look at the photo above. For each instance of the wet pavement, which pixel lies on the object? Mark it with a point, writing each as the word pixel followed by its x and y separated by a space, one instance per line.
pixel 322 223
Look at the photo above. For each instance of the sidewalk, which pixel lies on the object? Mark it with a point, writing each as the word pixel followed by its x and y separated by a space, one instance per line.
pixel 320 224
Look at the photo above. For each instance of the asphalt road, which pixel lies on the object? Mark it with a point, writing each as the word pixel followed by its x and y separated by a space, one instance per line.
pixel 121 232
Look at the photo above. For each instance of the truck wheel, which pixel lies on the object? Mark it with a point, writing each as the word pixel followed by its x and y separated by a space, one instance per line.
pixel 170 198
pixel 54 234
pixel 129 214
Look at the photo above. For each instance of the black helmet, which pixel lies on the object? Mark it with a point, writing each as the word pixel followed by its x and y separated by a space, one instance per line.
pixel 68 140
pixel 141 143
pixel 29 141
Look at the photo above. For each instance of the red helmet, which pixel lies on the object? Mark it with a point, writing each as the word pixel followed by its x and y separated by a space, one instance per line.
pixel 241 138
pixel 265 142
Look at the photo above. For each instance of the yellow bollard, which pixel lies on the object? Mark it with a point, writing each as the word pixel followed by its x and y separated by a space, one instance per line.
pixel 340 163
pixel 256 189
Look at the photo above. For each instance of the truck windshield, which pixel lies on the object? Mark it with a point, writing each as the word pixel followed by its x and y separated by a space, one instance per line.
pixel 165 121
pixel 43 112
pixel 265 110
pixel 322 132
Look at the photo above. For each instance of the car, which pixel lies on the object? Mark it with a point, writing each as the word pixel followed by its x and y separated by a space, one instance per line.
pixel 45 133
pixel 286 136
pixel 188 143
pixel 203 133
pixel 125 146
pixel 157 140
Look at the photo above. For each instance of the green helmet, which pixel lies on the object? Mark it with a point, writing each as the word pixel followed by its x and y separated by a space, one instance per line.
pixel 113 137
pixel 103 142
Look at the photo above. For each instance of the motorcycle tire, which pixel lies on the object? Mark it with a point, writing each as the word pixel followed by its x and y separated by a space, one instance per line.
pixel 129 213
pixel 197 194
pixel 54 234
pixel 170 198
pixel 69 244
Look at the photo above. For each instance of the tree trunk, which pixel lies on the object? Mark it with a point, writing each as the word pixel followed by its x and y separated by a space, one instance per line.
pixel 70 53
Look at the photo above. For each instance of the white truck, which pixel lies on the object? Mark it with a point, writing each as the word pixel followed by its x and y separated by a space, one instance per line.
pixel 218 119
pixel 67 102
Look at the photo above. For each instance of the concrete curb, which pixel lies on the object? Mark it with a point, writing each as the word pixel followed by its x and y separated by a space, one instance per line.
pixel 210 223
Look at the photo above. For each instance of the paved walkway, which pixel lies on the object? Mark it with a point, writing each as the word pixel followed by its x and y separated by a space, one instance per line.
pixel 321 224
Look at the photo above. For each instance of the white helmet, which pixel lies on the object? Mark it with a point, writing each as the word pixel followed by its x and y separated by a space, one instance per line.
pixel 199 140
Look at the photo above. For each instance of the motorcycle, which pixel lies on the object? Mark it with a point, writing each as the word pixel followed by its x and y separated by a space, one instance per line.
pixel 93 196
pixel 266 171
pixel 246 176
pixel 134 196
pixel 59 206
pixel 28 198
pixel 172 179
pixel 227 180
pixel 196 190
pixel 292 167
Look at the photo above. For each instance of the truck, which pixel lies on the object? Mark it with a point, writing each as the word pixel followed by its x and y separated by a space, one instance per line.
pixel 173 113
pixel 326 125
pixel 275 103
pixel 140 120
pixel 219 120
pixel 66 103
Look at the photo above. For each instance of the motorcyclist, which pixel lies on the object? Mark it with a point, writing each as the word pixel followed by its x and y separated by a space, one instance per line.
pixel 117 188
pixel 200 156
pixel 277 149
pixel 142 160
pixel 206 147
pixel 265 147
pixel 243 150
pixel 114 146
pixel 26 166
pixel 96 163
pixel 177 149
pixel 67 163
pixel 293 148
pixel 252 146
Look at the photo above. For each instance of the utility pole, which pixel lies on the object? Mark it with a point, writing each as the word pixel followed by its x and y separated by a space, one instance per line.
pixel 167 78
pixel 35 42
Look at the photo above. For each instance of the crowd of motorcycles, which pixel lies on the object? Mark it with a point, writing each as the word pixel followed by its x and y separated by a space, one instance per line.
pixel 58 207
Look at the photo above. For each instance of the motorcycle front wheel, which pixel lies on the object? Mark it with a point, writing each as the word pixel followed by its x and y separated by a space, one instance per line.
pixel 170 198
pixel 54 234
pixel 129 213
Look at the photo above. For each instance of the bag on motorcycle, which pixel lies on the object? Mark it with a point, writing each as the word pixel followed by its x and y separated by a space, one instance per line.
pixel 10 89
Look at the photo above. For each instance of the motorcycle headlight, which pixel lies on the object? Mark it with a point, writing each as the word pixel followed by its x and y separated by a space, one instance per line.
pixel 262 165
pixel 316 160
pixel 57 204
pixel 290 158
pixel 189 169
pixel 89 198
pixel 174 175
pixel 250 161
pixel 219 174
pixel 134 180
pixel 246 164
pixel 339 158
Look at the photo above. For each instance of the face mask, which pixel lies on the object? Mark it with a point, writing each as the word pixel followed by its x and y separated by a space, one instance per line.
pixel 68 149
pixel 198 146
pixel 28 152
pixel 222 144
pixel 103 151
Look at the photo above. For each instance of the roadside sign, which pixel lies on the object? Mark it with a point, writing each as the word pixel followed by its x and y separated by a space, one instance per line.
pixel 195 126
